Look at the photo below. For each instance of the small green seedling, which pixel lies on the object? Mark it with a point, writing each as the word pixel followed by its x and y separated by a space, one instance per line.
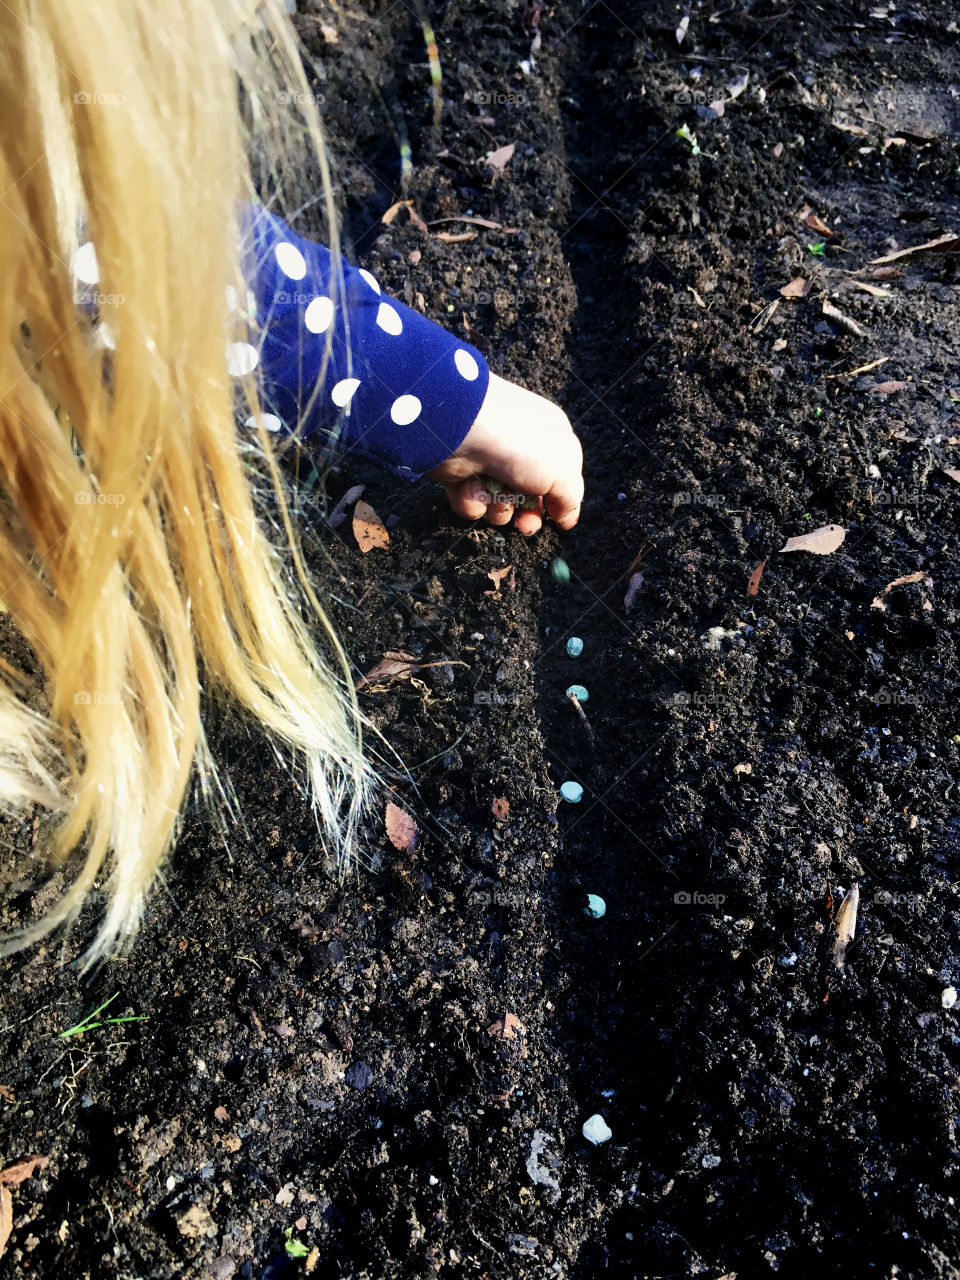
pixel 88 1023
pixel 818 249
pixel 685 135
pixel 294 1248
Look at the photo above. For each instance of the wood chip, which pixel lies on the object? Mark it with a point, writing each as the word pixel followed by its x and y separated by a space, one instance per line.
pixel 862 368
pixel 455 237
pixel 819 542
pixel 509 1027
pixel 501 809
pixel 874 290
pixel 857 130
pixel 950 243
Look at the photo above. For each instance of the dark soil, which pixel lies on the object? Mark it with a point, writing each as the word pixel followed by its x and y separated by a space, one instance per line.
pixel 317 1074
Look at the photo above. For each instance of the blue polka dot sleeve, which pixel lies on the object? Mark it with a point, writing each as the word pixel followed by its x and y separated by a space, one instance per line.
pixel 398 389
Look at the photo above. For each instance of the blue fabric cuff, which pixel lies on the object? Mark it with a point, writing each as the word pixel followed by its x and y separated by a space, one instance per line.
pixel 397 388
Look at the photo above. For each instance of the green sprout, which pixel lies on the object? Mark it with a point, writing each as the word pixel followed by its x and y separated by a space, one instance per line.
pixel 89 1025
pixel 818 249
pixel 294 1248
pixel 685 135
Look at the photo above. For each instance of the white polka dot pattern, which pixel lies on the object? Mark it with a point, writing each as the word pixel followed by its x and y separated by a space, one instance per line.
pixel 344 391
pixel 466 365
pixel 318 315
pixel 388 318
pixel 241 359
pixel 371 280
pixel 270 422
pixel 290 260
pixel 85 265
pixel 404 410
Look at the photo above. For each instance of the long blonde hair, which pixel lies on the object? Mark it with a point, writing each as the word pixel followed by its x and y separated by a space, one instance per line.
pixel 130 551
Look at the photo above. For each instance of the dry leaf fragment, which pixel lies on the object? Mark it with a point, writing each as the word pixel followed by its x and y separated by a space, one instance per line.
pixel 742 768
pixel 500 158
pixel 857 130
pixel 455 237
pixel 496 576
pixel 887 388
pixel 501 809
pixel 863 368
pixel 820 542
pixel 339 512
pixel 7 1092
pixel 394 209
pixel 368 529
pixel 330 34
pixel 737 85
pixel 817 224
pixel 636 582
pixel 797 288
pixel 950 243
pixel 6 1218
pixel 753 585
pixel 846 923
pixel 905 581
pixel 834 313
pixel 509 1027
pixel 19 1172
pixel 874 290
pixel 402 831
pixel 952 472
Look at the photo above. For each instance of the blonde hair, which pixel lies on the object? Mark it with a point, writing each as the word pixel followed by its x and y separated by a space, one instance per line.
pixel 130 549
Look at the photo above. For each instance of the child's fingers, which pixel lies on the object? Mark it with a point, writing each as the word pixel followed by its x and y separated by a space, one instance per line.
pixel 530 520
pixel 563 501
pixel 463 498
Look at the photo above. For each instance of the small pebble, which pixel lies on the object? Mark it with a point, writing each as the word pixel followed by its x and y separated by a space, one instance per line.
pixel 572 791
pixel 948 997
pixel 560 570
pixel 574 646
pixel 596 1130
pixel 596 907
pixel 579 692
pixel 710 1162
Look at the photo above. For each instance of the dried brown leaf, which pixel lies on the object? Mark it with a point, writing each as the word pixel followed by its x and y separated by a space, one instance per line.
pixel 797 288
pixel 820 542
pixel 834 313
pixel 500 158
pixel 753 586
pixel 501 809
pixel 368 529
pixel 905 581
pixel 339 512
pixel 887 388
pixel 465 217
pixel 818 225
pixel 845 923
pixel 402 831
pixel 857 130
pixel 506 1028
pixel 455 237
pixel 874 290
pixel 952 472
pixel 18 1172
pixel 6 1218
pixel 496 576
pixel 950 243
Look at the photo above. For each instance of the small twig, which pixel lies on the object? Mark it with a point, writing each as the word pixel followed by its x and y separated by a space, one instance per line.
pixel 586 723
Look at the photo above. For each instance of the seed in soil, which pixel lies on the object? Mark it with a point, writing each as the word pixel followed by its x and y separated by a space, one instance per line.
pixel 596 1130
pixel 579 692
pixel 572 791
pixel 574 646
pixel 596 907
pixel 560 570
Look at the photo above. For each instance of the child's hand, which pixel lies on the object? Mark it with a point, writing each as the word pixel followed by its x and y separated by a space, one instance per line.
pixel 525 444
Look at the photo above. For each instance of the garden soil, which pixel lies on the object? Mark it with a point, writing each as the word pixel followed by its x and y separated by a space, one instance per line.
pixel 388 1076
